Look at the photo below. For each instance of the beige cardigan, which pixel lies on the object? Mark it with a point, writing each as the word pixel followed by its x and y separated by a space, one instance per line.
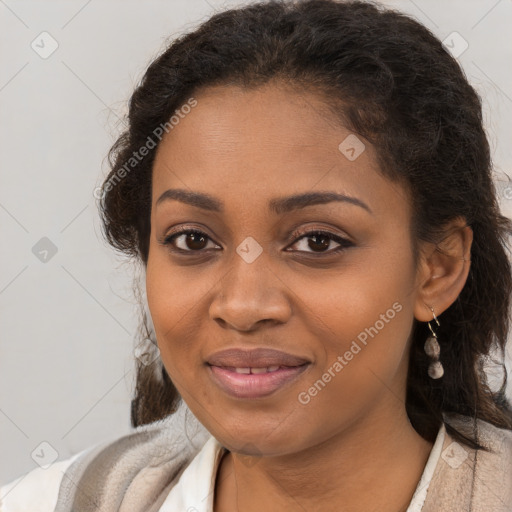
pixel 473 480
pixel 135 473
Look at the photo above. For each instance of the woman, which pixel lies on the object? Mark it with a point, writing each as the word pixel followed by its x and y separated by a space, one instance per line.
pixel 308 187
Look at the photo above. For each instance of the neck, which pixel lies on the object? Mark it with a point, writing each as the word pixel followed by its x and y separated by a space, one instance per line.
pixel 375 464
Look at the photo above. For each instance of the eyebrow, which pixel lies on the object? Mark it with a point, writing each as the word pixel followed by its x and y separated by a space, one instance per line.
pixel 278 205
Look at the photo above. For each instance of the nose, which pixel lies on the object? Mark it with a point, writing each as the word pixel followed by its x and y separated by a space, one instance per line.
pixel 249 295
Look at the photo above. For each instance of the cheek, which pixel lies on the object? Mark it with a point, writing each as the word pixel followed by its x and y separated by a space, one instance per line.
pixel 178 302
pixel 173 292
pixel 351 298
pixel 363 322
pixel 173 303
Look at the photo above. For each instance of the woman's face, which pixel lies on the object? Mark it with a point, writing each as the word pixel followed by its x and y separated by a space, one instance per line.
pixel 253 278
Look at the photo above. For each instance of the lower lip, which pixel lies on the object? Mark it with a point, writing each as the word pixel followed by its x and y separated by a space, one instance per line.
pixel 254 385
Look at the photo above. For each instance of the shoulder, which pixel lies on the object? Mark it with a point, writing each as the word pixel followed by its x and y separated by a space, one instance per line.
pixel 498 441
pixel 487 474
pixel 494 467
pixel 138 466
pixel 37 490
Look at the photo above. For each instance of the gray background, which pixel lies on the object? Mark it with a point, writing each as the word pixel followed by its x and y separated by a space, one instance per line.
pixel 67 324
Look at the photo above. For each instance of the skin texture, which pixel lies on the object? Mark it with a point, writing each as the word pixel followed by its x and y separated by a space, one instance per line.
pixel 245 147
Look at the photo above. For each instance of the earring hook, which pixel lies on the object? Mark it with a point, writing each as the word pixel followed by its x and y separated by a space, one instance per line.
pixel 436 320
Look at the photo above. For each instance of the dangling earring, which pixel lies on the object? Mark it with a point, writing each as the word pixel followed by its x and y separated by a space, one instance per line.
pixel 432 349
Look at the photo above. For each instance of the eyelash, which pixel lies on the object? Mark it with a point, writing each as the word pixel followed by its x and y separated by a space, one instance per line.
pixel 344 243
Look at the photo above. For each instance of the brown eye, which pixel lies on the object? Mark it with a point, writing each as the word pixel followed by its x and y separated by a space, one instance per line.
pixel 190 240
pixel 320 241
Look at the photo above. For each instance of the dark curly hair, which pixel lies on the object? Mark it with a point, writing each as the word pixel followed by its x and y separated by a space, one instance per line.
pixel 389 79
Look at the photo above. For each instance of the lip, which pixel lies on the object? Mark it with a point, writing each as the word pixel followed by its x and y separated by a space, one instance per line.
pixel 254 358
pixel 256 385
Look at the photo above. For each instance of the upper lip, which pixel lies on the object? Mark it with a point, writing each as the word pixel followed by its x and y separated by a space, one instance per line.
pixel 254 358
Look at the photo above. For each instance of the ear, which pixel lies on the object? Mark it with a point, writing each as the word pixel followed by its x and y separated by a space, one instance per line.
pixel 443 269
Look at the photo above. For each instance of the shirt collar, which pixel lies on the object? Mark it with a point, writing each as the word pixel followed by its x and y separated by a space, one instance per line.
pixel 195 488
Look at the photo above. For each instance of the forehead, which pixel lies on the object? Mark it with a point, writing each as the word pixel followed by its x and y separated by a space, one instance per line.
pixel 261 143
